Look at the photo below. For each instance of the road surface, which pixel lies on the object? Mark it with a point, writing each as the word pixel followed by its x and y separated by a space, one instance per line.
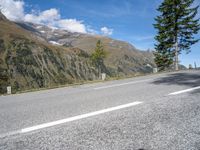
pixel 156 112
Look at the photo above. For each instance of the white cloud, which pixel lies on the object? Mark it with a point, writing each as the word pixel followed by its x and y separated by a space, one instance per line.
pixel 52 17
pixel 106 31
pixel 92 31
pixel 72 25
pixel 13 10
pixel 46 17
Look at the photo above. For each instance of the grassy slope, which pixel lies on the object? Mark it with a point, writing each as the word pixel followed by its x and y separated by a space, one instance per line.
pixel 122 56
pixel 31 63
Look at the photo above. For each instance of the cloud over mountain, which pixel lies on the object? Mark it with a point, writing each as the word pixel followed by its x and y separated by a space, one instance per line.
pixel 14 10
pixel 106 31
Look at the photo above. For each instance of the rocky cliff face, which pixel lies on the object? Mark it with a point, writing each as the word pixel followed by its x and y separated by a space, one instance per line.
pixel 33 56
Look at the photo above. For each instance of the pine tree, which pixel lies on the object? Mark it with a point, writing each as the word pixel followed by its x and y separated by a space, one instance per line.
pixel 176 25
pixel 98 56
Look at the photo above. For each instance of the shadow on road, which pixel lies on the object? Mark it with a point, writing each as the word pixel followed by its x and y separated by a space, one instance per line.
pixel 195 92
pixel 186 79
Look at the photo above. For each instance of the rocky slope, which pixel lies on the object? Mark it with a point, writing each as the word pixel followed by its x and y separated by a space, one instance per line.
pixel 27 62
pixel 123 58
pixel 33 56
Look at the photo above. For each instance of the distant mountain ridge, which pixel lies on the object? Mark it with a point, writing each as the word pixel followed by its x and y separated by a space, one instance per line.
pixel 34 56
pixel 122 55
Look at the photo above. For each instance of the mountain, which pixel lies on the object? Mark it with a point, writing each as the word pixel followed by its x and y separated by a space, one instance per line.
pixel 34 56
pixel 27 61
pixel 122 57
pixel 2 17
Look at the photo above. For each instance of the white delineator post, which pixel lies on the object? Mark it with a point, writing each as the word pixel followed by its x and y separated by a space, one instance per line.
pixel 103 76
pixel 9 91
pixel 155 70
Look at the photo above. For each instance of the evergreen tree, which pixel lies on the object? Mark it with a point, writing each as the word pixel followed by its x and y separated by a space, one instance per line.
pixel 98 56
pixel 176 28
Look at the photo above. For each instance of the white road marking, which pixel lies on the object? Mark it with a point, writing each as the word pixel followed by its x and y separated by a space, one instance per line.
pixel 121 84
pixel 58 122
pixel 184 91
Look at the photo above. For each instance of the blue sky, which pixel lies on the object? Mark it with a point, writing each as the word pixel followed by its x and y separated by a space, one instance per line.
pixel 127 20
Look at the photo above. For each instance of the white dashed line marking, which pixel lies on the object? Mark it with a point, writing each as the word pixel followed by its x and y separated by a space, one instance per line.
pixel 184 91
pixel 66 120
pixel 121 84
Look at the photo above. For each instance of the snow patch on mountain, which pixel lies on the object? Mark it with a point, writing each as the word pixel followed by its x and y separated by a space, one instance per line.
pixel 54 43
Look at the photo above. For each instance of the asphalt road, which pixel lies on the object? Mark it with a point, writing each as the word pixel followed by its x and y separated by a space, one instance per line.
pixel 157 112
